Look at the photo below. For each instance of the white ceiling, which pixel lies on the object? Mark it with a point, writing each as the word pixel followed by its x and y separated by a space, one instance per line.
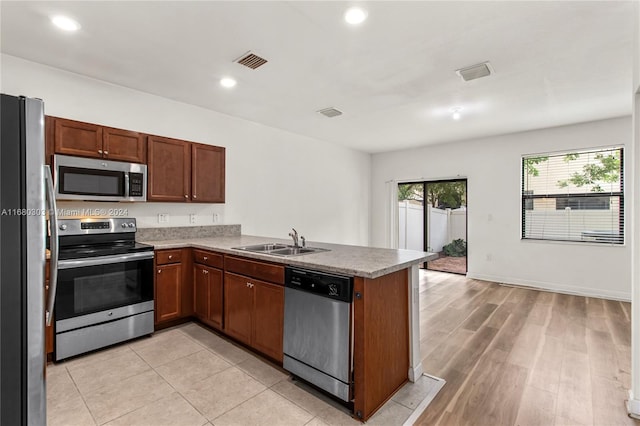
pixel 393 76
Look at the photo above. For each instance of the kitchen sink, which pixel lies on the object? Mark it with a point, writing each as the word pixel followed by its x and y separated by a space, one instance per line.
pixel 277 249
pixel 263 247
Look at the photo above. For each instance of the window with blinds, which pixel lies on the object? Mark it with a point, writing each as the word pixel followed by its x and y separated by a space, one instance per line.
pixel 575 196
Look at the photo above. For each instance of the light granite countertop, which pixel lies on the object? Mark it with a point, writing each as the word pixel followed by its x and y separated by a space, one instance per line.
pixel 367 262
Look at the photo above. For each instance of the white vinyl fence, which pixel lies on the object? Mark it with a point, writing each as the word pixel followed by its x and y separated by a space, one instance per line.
pixel 444 226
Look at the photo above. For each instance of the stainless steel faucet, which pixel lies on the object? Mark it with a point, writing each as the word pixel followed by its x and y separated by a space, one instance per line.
pixel 294 235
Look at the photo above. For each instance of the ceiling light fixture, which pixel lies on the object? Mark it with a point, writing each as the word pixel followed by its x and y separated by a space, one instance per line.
pixel 455 113
pixel 65 23
pixel 355 16
pixel 227 82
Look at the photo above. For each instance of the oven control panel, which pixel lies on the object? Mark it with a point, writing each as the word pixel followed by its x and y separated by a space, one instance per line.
pixel 95 225
pixel 103 225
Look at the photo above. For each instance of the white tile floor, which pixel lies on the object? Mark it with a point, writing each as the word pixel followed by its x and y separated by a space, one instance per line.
pixel 188 375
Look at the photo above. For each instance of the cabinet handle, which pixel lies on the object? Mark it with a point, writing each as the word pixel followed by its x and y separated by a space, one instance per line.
pixel 186 196
pixel 100 151
pixel 170 256
pixel 106 153
pixel 46 288
pixel 205 258
pixel 249 285
pixel 159 270
pixel 194 196
pixel 205 271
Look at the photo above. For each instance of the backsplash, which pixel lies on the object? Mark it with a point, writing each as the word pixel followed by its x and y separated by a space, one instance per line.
pixel 181 232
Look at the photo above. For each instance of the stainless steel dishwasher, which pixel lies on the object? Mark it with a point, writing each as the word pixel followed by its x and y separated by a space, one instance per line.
pixel 317 329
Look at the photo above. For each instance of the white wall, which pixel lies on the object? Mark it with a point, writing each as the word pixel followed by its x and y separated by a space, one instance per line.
pixel 275 179
pixel 492 167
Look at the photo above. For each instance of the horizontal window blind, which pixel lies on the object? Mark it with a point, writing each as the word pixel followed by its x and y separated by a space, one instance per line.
pixel 576 196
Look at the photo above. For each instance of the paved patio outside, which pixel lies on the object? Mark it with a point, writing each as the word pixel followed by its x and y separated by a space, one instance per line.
pixel 456 265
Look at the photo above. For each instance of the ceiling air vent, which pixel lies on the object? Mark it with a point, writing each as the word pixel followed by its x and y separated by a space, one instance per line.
pixel 475 71
pixel 251 60
pixel 330 112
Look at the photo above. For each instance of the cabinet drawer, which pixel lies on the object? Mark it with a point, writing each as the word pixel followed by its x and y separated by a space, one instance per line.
pixel 208 258
pixel 255 269
pixel 168 256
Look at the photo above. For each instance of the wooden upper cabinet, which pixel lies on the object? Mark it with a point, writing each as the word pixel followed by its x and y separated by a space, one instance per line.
pixel 207 173
pixel 92 140
pixel 169 177
pixel 185 171
pixel 77 138
pixel 124 145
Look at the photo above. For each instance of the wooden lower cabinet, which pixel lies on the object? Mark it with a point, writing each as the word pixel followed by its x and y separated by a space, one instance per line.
pixel 168 292
pixel 238 307
pixel 173 285
pixel 268 310
pixel 254 313
pixel 207 295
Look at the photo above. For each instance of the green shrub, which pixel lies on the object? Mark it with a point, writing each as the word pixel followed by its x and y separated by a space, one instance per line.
pixel 456 248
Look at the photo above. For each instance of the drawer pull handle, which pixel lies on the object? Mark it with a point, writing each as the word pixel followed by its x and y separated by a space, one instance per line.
pixel 170 257
pixel 205 258
pixel 249 285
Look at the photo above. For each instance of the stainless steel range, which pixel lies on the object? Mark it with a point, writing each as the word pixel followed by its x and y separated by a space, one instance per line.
pixel 105 285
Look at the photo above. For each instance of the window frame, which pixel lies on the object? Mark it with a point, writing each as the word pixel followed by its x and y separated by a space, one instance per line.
pixel 529 198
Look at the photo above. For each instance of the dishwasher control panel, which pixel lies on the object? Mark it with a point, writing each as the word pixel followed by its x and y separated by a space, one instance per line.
pixel 338 287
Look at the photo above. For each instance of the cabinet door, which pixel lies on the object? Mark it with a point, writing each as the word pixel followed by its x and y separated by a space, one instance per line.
pixel 201 291
pixel 238 307
pixel 124 145
pixel 168 163
pixel 268 320
pixel 168 283
pixel 207 173
pixel 77 138
pixel 216 300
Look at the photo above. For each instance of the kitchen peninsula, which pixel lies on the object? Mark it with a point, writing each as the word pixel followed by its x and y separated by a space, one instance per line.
pixel 385 322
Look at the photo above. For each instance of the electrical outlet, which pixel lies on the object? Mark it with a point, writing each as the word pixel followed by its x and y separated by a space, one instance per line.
pixel 216 217
pixel 163 218
pixel 192 218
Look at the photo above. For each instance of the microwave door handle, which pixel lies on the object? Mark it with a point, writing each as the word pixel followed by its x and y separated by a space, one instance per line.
pixel 53 245
pixel 126 184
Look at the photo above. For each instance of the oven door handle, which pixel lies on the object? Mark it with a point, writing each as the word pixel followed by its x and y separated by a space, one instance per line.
pixel 104 260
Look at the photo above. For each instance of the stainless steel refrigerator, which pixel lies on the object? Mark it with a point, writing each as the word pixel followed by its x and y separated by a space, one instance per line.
pixel 24 209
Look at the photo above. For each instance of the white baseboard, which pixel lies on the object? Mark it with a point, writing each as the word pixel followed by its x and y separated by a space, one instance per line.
pixel 415 372
pixel 555 287
pixel 633 406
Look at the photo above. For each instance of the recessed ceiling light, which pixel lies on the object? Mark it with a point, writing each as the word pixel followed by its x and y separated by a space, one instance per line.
pixel 355 16
pixel 455 113
pixel 65 23
pixel 227 82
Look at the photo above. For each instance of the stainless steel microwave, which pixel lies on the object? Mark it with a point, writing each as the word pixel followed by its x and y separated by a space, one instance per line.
pixel 79 178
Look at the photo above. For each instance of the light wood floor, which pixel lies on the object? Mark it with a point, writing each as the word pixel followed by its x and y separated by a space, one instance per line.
pixel 512 356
